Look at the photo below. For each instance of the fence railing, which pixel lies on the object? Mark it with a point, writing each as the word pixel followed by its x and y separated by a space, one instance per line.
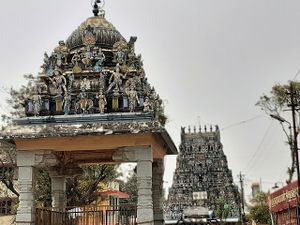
pixel 91 215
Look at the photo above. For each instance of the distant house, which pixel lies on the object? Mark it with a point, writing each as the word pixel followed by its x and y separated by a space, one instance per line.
pixel 111 194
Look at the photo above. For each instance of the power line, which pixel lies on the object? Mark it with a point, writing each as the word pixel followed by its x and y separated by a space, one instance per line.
pixel 296 75
pixel 259 146
pixel 261 156
pixel 242 122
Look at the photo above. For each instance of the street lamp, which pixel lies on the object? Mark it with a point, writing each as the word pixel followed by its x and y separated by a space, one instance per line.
pixel 292 138
pixel 280 119
pixel 293 142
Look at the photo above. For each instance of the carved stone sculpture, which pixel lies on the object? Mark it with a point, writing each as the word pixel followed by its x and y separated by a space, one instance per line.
pixel 102 102
pixel 115 80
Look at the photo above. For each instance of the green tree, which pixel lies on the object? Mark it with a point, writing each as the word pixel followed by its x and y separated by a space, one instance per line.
pixel 223 209
pixel 259 211
pixel 274 104
pixel 130 187
pixel 83 190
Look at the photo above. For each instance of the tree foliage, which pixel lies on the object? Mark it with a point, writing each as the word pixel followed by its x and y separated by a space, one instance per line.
pixel 274 104
pixel 83 190
pixel 130 187
pixel 223 209
pixel 260 212
pixel 8 158
pixel 277 100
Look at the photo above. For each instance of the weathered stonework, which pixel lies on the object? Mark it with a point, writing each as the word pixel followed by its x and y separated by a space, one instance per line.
pixel 26 209
pixel 201 168
pixel 157 191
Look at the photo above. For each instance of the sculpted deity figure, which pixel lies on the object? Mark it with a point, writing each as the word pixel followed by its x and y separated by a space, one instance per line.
pixel 115 80
pixel 87 56
pixel 67 103
pixel 37 103
pixel 102 81
pixel 71 80
pixel 84 105
pixel 131 53
pixel 133 98
pixel 75 61
pixel 61 52
pixel 120 56
pixel 48 67
pixel 42 88
pixel 99 57
pixel 147 105
pixel 102 102
pixel 60 81
pixel 57 83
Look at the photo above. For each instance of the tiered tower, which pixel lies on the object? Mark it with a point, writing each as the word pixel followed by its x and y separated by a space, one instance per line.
pixel 96 71
pixel 202 175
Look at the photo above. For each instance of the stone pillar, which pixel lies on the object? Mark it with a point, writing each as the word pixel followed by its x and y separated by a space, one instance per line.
pixel 26 208
pixel 144 159
pixel 58 191
pixel 157 192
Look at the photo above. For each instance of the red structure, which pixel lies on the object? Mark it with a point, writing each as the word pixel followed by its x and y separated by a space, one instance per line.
pixel 283 204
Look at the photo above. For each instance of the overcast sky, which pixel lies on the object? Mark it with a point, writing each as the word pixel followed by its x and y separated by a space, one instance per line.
pixel 209 59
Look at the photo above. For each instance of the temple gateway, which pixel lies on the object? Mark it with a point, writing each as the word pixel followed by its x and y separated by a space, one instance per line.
pixel 91 103
pixel 202 176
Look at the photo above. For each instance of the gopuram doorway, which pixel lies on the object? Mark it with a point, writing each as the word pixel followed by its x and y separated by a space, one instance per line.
pixel 91 104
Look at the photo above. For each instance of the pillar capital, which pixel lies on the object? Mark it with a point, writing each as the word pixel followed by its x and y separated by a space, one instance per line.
pixel 134 154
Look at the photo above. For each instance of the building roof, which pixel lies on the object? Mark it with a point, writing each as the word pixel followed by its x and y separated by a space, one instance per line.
pixel 118 194
pixel 106 34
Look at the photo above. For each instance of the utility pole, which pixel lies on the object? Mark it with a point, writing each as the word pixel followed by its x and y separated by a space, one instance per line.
pixel 242 216
pixel 293 102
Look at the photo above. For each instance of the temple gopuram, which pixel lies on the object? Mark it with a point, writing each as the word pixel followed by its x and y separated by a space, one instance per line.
pixel 201 176
pixel 90 104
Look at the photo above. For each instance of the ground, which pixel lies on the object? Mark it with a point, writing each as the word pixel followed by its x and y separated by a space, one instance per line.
pixel 6 220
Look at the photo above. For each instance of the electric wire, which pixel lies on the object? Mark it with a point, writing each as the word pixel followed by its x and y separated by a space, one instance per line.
pixel 243 122
pixel 261 156
pixel 259 146
pixel 296 75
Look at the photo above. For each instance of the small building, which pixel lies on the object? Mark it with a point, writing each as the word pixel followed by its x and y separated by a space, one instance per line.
pixel 283 204
pixel 111 195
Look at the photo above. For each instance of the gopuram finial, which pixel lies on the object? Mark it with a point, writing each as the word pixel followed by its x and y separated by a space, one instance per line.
pixel 97 7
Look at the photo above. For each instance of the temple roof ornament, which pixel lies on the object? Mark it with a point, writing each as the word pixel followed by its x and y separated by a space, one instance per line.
pixel 96 71
pixel 96 6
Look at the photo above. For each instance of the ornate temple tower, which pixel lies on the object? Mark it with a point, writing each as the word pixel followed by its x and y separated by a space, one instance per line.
pixel 91 103
pixel 202 175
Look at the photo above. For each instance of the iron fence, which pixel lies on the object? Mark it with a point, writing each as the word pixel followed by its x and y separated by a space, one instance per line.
pixel 92 215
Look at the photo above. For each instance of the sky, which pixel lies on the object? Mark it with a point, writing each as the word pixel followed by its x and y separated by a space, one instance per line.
pixel 210 60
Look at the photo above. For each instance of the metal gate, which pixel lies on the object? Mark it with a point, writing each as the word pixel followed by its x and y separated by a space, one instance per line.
pixel 92 215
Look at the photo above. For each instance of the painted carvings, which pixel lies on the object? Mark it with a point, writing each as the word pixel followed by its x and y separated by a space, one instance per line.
pixel 93 78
